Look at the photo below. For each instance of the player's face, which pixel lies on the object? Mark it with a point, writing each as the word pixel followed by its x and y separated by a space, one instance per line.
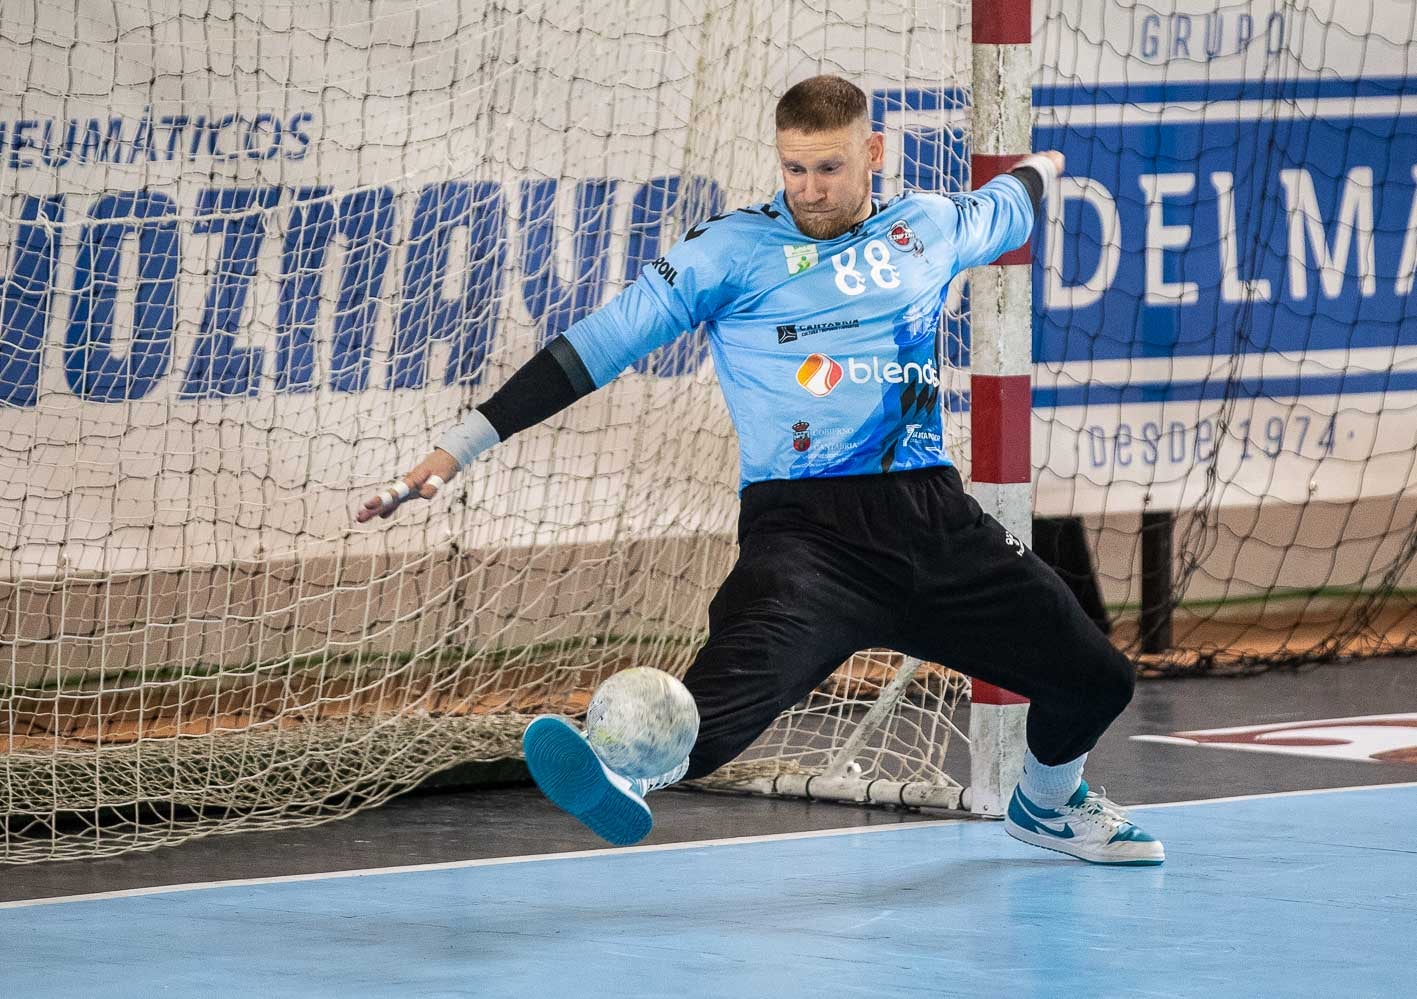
pixel 827 176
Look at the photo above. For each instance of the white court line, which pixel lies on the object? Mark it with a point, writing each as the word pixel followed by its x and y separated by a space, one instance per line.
pixel 485 862
pixel 1173 740
pixel 618 851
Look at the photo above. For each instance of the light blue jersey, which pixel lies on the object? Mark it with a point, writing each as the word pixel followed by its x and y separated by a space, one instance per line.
pixel 825 349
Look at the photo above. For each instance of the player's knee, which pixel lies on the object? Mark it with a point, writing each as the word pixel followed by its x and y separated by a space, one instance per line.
pixel 1116 682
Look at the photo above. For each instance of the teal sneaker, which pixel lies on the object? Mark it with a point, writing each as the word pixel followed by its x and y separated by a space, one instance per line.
pixel 1088 827
pixel 572 776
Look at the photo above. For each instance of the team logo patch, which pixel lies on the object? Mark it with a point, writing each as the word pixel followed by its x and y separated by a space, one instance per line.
pixel 819 374
pixel 800 257
pixel 800 440
pixel 904 237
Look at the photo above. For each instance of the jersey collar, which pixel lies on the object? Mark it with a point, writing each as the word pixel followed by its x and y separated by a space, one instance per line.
pixel 779 204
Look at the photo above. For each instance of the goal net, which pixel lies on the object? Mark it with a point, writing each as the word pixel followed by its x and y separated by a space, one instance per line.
pixel 256 257
pixel 1225 323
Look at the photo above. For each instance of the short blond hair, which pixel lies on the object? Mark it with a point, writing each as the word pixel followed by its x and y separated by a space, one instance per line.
pixel 822 104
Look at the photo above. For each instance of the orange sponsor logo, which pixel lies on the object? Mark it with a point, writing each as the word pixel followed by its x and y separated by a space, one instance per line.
pixel 819 374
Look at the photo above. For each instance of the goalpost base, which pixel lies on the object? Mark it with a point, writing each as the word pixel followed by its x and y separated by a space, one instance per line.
pixel 878 792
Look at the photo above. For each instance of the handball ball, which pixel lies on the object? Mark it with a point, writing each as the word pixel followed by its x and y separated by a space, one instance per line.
pixel 642 722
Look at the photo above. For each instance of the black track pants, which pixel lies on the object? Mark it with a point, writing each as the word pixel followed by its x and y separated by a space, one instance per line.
pixel 904 561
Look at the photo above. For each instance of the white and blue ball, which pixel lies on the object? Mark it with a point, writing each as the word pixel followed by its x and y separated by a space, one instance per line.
pixel 642 722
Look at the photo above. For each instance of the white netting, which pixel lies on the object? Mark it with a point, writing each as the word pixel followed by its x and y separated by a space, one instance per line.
pixel 257 256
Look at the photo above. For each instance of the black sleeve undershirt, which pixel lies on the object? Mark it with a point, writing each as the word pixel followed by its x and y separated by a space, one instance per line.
pixel 1033 181
pixel 545 385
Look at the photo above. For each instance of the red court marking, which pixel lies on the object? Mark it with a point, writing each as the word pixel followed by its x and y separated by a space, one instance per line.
pixel 1369 738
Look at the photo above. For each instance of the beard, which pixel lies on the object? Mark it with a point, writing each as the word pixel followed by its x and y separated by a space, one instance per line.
pixel 827 224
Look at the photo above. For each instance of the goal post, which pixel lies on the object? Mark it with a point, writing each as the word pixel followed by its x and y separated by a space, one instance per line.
pixel 1001 368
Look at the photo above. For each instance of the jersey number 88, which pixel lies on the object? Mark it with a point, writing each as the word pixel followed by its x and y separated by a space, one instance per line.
pixel 878 257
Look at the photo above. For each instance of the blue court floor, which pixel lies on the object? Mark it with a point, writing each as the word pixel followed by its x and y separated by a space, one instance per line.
pixel 1306 894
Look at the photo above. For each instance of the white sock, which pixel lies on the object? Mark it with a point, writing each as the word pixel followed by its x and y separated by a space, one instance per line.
pixel 1050 786
pixel 644 785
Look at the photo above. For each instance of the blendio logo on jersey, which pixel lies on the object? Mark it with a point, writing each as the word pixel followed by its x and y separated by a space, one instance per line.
pixel 819 374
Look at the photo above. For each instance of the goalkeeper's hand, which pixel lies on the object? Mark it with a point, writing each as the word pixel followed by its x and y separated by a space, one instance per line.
pixel 422 482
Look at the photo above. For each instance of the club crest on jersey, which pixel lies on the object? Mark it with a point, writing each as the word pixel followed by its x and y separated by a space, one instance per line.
pixel 819 374
pixel 904 237
pixel 800 440
pixel 800 257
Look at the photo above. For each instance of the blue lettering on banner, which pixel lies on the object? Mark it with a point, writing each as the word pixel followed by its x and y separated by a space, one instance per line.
pixel 364 219
pixel 302 272
pixel 20 140
pixel 94 370
pixel 218 367
pixel 297 129
pixel 53 143
pixel 469 318
pixel 934 153
pixel 554 304
pixel 25 298
pixel 934 156
pixel 1232 236
pixel 1223 235
pixel 366 224
pixel 1202 37
pixel 1175 446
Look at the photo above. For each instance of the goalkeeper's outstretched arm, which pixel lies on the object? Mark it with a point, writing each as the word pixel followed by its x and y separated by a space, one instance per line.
pixel 587 356
pixel 545 385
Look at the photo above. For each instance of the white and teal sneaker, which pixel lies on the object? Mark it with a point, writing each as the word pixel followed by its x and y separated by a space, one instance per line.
pixel 1088 827
pixel 572 776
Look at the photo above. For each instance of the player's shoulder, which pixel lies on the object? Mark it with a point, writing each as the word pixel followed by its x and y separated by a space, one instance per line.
pixel 906 209
pixel 942 209
pixel 918 203
pixel 734 225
